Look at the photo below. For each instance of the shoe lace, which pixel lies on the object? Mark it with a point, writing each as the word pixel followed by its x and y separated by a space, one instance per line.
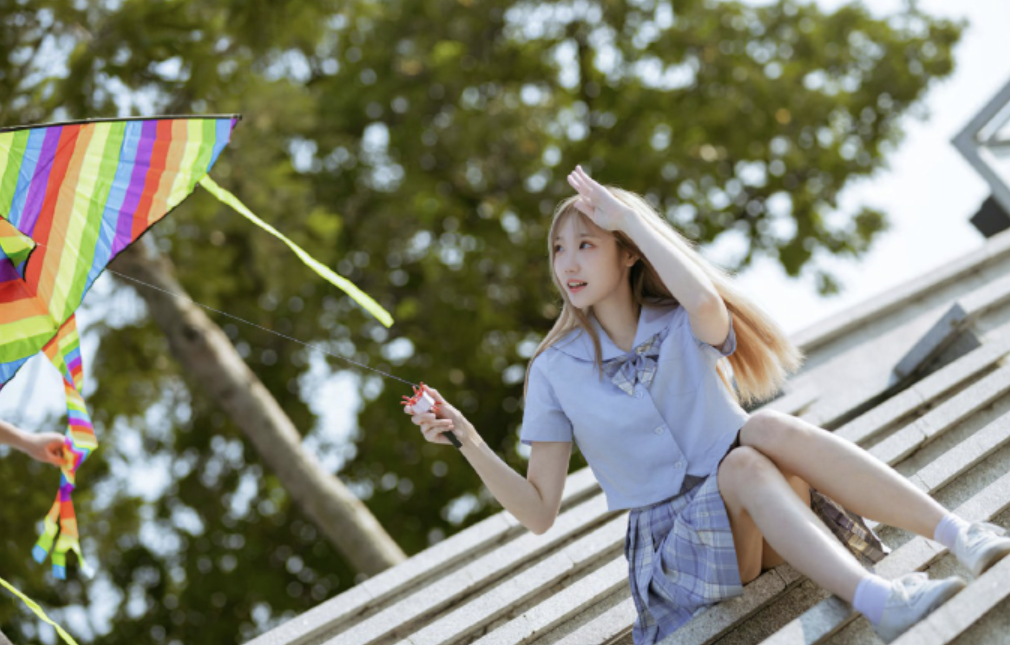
pixel 910 584
pixel 977 532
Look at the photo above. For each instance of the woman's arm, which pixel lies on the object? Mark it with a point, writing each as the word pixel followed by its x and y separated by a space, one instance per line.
pixel 687 282
pixel 535 500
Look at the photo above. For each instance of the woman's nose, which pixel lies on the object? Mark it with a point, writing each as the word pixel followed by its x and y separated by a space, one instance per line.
pixel 569 264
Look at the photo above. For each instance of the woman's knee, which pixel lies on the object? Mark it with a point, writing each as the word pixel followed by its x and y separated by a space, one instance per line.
pixel 767 430
pixel 743 467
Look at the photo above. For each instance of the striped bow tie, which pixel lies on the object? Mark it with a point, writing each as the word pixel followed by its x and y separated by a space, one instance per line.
pixel 637 366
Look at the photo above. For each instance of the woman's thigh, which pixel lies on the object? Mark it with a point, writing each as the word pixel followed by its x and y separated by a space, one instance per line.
pixel 753 552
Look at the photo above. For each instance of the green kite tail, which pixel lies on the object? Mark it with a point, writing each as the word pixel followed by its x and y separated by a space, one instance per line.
pixel 328 274
pixel 34 606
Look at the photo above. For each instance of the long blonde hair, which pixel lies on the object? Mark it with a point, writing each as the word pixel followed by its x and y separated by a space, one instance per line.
pixel 764 356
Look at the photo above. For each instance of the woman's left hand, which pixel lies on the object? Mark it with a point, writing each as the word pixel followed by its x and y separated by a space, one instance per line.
pixel 597 202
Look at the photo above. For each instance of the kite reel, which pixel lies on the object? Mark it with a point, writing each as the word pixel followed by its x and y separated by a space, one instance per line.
pixel 423 402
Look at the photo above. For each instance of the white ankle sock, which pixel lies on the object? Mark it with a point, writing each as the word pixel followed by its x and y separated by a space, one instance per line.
pixel 948 528
pixel 871 595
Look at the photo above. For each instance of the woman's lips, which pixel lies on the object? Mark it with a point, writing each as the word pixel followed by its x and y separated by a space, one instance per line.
pixel 577 289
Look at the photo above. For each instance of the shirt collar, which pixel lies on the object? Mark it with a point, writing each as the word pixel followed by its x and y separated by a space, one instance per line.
pixel 651 320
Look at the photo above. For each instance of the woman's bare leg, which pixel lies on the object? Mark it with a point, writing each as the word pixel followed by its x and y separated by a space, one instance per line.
pixel 762 506
pixel 843 471
pixel 769 557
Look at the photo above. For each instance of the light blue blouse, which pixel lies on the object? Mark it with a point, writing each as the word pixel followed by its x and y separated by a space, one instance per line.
pixel 639 446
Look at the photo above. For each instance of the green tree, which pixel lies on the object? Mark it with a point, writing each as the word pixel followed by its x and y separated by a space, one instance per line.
pixel 419 148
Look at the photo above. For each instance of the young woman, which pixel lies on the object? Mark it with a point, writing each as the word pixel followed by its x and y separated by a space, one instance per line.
pixel 634 370
pixel 46 447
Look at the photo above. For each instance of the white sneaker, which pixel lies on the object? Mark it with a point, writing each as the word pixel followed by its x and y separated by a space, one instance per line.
pixel 914 597
pixel 980 546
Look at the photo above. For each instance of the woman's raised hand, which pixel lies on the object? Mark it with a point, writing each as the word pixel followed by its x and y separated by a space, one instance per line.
pixel 597 202
pixel 447 419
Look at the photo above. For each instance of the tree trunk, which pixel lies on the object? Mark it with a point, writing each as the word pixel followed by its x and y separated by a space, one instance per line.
pixel 209 358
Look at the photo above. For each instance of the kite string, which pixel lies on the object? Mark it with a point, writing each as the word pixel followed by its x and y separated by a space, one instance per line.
pixel 252 324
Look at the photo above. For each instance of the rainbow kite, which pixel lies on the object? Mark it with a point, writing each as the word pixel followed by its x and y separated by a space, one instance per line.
pixel 72 197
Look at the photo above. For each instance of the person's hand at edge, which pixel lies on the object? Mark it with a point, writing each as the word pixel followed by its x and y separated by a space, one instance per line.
pixel 46 447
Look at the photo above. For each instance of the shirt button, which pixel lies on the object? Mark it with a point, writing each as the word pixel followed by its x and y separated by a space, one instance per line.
pixel 638 394
pixel 659 430
pixel 679 464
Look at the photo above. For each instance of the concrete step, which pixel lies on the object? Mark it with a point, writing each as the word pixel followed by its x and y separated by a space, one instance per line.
pixel 343 611
pixel 929 391
pixel 480 611
pixel 410 613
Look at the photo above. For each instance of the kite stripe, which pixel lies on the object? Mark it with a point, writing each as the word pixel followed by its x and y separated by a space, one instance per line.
pixel 37 189
pixel 14 150
pixel 23 178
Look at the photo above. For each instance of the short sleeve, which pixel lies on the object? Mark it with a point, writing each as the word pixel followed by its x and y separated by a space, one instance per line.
pixel 728 346
pixel 543 418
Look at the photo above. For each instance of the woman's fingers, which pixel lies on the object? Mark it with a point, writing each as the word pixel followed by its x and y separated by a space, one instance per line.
pixel 584 176
pixel 589 184
pixel 577 183
pixel 434 433
pixel 585 190
pixel 433 427
pixel 55 453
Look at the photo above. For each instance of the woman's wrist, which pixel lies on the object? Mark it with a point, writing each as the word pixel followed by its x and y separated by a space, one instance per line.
pixel 469 437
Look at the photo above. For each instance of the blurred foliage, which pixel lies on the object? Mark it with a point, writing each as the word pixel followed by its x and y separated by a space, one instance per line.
pixel 419 148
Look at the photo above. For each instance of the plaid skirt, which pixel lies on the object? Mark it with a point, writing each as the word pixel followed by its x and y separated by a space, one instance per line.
pixel 681 557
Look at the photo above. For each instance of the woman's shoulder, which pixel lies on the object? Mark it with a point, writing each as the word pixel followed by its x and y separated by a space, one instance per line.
pixel 557 362
pixel 569 343
pixel 546 359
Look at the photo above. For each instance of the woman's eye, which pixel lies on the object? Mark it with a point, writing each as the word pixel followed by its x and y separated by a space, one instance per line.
pixel 557 249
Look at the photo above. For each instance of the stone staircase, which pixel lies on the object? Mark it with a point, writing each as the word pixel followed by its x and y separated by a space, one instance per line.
pixel 918 376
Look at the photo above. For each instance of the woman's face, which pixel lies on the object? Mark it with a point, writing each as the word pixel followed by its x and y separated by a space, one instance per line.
pixel 586 253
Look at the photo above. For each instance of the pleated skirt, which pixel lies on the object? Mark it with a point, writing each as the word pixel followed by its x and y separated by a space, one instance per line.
pixel 681 556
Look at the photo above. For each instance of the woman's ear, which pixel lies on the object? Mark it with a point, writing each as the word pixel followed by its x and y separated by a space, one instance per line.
pixel 630 259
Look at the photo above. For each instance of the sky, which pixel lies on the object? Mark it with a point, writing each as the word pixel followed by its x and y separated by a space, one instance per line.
pixel 929 192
